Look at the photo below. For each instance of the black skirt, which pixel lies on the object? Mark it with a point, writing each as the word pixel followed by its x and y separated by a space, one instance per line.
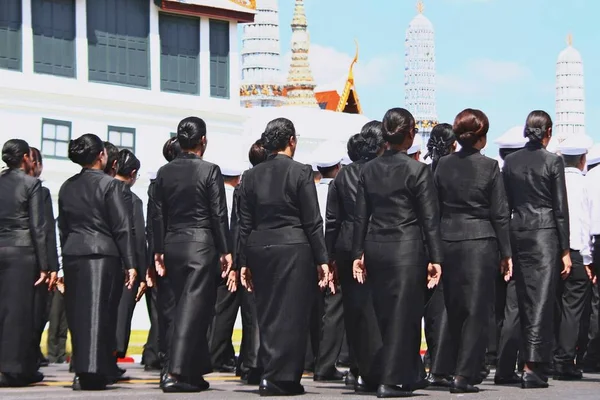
pixel 398 275
pixel 537 266
pixel 192 269
pixel 93 285
pixel 18 271
pixel 285 282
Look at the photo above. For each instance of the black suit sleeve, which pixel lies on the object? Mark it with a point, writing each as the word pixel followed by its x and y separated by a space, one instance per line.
pixel 37 225
pixel 150 211
pixel 51 247
pixel 559 203
pixel 245 219
pixel 429 213
pixel 332 220
pixel 499 213
pixel 139 238
pixel 119 221
pixel 218 210
pixel 235 226
pixel 159 218
pixel 310 216
pixel 362 214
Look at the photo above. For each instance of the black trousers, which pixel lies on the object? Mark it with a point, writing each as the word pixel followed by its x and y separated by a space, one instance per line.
pixel 436 332
pixel 57 328
pixel 151 353
pixel 591 356
pixel 574 300
pixel 250 334
pixel 41 309
pixel 332 333
pixel 496 320
pixel 166 307
pixel 471 267
pixel 124 316
pixel 510 334
pixel 223 323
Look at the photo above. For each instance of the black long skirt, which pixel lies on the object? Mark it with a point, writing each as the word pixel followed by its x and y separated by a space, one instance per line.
pixel 362 331
pixel 536 264
pixel 437 332
pixel 91 286
pixel 17 276
pixel 285 282
pixel 125 311
pixel 469 276
pixel 398 274
pixel 192 269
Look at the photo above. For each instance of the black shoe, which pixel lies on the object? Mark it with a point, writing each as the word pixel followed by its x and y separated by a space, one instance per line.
pixel 507 380
pixel 272 389
pixel 334 376
pixel 173 385
pixel 440 381
pixel 422 384
pixel 462 386
pixel 389 391
pixel 531 380
pixel 362 386
pixel 251 376
pixel 20 380
pixel 484 373
pixel 43 362
pixel 89 382
pixel 567 374
pixel 350 380
pixel 200 383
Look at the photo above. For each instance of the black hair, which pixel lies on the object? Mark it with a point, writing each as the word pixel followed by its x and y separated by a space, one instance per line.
pixel 257 153
pixel 537 125
pixel 505 152
pixel 572 161
pixel 277 134
pixel 190 132
pixel 85 149
pixel 396 124
pixel 171 149
pixel 13 152
pixel 112 155
pixel 440 142
pixel 36 155
pixel 372 132
pixel 354 146
pixel 127 163
pixel 470 126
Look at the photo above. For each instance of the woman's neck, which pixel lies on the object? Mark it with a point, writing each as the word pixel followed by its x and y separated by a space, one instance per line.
pixel 123 179
pixel 286 152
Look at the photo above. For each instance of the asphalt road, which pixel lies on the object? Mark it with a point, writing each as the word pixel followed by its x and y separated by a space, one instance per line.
pixel 144 385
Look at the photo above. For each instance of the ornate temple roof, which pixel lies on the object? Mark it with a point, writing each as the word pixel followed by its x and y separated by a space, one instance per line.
pixel 240 10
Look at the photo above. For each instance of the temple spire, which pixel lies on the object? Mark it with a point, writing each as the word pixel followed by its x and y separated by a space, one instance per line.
pixel 300 84
pixel 420 6
pixel 570 40
pixel 570 93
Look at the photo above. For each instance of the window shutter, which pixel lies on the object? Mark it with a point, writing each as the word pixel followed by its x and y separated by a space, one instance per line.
pixel 219 58
pixel 10 34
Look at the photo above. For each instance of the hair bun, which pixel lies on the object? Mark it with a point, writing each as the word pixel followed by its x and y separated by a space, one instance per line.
pixel 533 133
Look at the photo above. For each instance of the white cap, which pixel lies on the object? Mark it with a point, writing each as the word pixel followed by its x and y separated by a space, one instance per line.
pixel 512 139
pixel 593 156
pixel 346 160
pixel 328 154
pixel 575 145
pixel 416 146
pixel 232 168
pixel 152 175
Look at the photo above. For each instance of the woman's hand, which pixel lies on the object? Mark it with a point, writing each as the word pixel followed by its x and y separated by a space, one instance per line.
pixel 434 274
pixel 567 264
pixel 232 281
pixel 141 291
pixel 589 269
pixel 42 279
pixel 246 279
pixel 159 264
pixel 226 264
pixel 359 271
pixel 130 278
pixel 52 281
pixel 151 276
pixel 506 268
pixel 326 277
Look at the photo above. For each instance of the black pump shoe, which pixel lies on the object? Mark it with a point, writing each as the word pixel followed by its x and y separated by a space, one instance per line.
pixel 272 389
pixel 392 391
pixel 462 386
pixel 531 380
pixel 173 385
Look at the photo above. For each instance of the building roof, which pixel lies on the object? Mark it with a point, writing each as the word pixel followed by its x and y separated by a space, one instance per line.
pixel 239 10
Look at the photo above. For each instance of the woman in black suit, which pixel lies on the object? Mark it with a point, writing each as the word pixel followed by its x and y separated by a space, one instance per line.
pixel 282 243
pixel 475 232
pixel 97 245
pixel 191 232
pixel 396 207
pixel 537 198
pixel 364 339
pixel 23 264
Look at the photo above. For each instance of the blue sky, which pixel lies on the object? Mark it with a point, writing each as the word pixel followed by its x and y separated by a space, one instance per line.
pixel 495 55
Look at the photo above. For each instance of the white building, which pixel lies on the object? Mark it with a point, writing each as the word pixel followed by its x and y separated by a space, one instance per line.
pixel 570 97
pixel 419 73
pixel 261 62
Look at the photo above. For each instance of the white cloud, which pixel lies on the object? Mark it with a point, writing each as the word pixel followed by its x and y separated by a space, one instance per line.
pixel 330 68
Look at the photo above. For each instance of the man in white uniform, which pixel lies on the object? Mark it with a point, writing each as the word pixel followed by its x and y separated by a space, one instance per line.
pixel 415 150
pixel 574 292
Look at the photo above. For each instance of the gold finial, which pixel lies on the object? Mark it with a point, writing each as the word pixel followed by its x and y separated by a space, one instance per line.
pixel 420 6
pixel 351 74
pixel 570 39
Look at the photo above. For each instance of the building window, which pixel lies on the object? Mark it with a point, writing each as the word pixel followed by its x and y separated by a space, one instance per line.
pixel 55 138
pixel 219 58
pixel 123 138
pixel 53 23
pixel 179 54
pixel 118 49
pixel 10 34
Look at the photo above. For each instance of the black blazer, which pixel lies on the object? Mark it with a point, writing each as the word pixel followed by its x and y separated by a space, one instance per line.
pixel 51 246
pixel 473 202
pixel 396 201
pixel 536 190
pixel 22 220
pixel 235 224
pixel 139 236
pixel 279 205
pixel 341 202
pixel 150 213
pixel 190 204
pixel 93 217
